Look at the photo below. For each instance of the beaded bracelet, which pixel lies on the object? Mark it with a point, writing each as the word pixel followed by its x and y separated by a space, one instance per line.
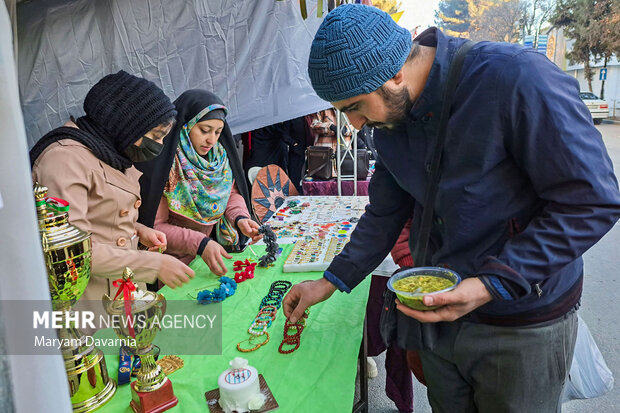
pixel 292 326
pixel 226 289
pixel 273 296
pixel 267 311
pixel 293 339
pixel 257 329
pixel 288 351
pixel 280 286
pixel 265 318
pixel 281 283
pixel 277 302
pixel 250 340
pixel 266 315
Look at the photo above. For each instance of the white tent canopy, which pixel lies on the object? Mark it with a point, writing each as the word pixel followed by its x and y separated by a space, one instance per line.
pixel 253 54
pixel 28 383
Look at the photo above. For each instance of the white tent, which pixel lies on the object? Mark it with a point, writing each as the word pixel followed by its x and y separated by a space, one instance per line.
pixel 27 383
pixel 253 54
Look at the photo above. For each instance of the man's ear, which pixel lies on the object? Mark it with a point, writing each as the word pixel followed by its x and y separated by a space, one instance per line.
pixel 398 78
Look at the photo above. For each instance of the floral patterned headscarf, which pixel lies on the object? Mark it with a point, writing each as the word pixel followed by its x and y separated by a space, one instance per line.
pixel 199 187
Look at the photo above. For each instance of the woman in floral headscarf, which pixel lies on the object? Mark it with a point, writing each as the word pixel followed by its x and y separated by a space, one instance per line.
pixel 196 194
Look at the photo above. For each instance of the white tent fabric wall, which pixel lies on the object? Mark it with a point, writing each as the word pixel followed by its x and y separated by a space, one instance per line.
pixel 38 383
pixel 11 6
pixel 253 54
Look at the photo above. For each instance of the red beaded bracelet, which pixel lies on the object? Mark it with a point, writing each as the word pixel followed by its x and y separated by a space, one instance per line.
pixel 288 351
pixel 292 338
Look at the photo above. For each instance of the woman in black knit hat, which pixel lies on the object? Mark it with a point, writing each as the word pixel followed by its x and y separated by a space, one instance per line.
pixel 89 163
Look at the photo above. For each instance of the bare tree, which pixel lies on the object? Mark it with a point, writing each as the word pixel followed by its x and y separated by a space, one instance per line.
pixel 496 21
pixel 535 14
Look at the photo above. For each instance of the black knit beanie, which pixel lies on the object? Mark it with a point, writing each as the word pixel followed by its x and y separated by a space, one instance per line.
pixel 121 108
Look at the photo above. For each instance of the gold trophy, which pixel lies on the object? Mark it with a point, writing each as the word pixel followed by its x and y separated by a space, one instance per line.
pixel 67 251
pixel 151 392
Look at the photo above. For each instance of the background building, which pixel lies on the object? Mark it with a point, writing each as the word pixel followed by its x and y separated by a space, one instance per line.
pixel 609 76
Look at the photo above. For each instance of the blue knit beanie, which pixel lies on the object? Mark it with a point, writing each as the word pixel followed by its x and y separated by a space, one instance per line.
pixel 355 51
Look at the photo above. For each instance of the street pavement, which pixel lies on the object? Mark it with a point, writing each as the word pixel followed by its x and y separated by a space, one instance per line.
pixel 600 310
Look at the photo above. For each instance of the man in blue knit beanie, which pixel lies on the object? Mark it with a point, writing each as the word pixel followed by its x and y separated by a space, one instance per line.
pixel 525 187
pixel 359 50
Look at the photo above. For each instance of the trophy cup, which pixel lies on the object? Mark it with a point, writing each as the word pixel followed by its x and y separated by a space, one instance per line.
pixel 67 251
pixel 151 392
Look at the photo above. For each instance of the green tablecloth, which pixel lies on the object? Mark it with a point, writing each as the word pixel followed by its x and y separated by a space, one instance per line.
pixel 318 377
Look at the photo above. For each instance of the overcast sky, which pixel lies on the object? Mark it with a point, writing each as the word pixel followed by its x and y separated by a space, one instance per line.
pixel 418 12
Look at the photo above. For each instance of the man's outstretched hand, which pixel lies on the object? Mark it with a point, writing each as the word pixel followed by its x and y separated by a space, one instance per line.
pixel 304 295
pixel 466 297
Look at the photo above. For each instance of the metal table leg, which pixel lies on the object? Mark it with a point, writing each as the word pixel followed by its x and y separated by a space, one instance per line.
pixel 362 405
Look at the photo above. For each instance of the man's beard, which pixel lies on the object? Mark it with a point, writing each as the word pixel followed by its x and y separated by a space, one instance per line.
pixel 398 105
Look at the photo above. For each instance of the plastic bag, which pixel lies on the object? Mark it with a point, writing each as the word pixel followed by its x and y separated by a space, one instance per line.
pixel 589 376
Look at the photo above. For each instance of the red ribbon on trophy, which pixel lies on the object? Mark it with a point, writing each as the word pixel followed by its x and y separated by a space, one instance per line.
pixel 126 286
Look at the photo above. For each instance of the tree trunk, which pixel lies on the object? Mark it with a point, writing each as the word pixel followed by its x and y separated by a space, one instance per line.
pixel 534 20
pixel 587 72
pixel 603 82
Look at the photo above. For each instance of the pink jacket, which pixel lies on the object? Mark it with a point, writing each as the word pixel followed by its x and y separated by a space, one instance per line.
pixel 184 235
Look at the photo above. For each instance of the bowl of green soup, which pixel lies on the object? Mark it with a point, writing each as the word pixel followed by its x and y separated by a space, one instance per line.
pixel 412 285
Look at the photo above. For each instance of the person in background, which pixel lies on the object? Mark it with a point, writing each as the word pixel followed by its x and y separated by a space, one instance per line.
pixel 324 129
pixel 323 125
pixel 89 162
pixel 522 194
pixel 399 363
pixel 366 140
pixel 195 193
pixel 282 144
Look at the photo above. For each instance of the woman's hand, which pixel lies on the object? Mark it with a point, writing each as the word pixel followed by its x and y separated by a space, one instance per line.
pixel 212 256
pixel 249 228
pixel 151 238
pixel 173 272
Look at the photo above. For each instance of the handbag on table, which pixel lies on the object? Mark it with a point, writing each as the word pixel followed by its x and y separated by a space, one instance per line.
pixel 319 160
pixel 363 164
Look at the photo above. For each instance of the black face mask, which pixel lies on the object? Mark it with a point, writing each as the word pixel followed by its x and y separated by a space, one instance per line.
pixel 148 149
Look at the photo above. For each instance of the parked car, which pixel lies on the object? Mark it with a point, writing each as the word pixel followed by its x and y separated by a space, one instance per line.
pixel 599 109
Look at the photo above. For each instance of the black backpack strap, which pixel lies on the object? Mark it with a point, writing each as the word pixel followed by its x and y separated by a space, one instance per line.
pixel 421 249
